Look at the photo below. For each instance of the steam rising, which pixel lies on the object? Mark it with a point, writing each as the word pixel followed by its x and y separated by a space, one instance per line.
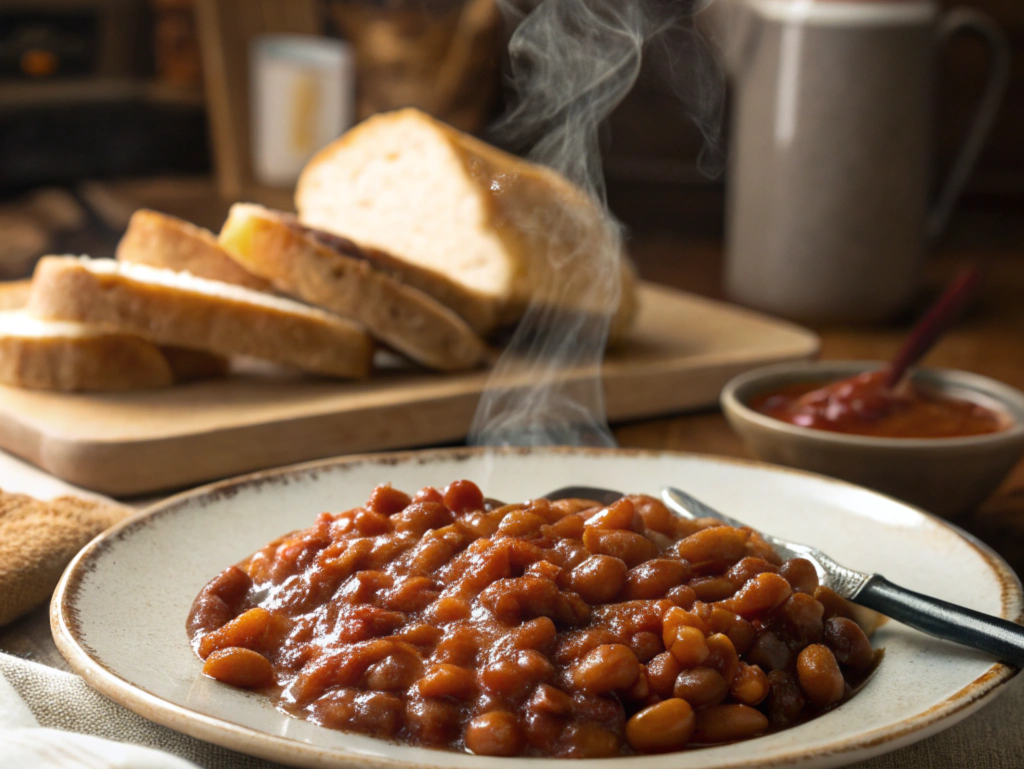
pixel 572 62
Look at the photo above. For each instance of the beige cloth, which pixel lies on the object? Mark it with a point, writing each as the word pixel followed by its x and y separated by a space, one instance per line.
pixel 38 539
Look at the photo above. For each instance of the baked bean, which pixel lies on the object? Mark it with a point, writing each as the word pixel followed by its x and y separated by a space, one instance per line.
pixel 800 574
pixel 655 515
pixel 769 652
pixel 247 630
pixel 572 526
pixel 785 700
pixel 432 721
pixel 645 645
pixel 370 524
pixel 239 667
pixel 750 685
pixel 428 494
pixel 835 605
pixel 819 676
pixel 848 643
pixel 586 740
pixel 675 618
pixel 689 646
pixel 388 501
pixel 710 589
pixel 444 680
pixel 700 687
pixel 618 515
pixel 394 673
pixel 598 579
pixel 800 619
pixel 218 602
pixel 462 497
pixel 727 723
pixel 758 548
pixel 655 578
pixel 640 689
pixel 746 569
pixel 631 547
pixel 421 516
pixel 605 669
pixel 503 678
pixel 494 734
pixel 722 656
pixel 760 595
pixel 548 699
pixel 682 596
pixel 522 524
pixel 576 644
pixel 662 672
pixel 721 543
pixel 661 728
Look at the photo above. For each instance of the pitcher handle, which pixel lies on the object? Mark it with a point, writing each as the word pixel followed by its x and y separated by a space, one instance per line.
pixel 970 20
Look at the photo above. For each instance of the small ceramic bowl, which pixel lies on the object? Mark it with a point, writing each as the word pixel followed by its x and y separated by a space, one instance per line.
pixel 945 476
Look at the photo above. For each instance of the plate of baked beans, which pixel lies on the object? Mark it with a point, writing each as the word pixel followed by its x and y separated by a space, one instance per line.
pixel 431 609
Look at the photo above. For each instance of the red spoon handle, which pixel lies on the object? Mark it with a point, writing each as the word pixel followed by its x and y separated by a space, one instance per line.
pixel 940 316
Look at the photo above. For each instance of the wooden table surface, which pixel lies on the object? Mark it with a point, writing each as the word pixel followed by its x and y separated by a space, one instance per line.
pixel 990 341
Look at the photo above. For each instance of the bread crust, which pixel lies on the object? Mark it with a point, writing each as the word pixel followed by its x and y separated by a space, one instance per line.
pixel 111 362
pixel 165 308
pixel 398 315
pixel 525 203
pixel 482 316
pixel 160 240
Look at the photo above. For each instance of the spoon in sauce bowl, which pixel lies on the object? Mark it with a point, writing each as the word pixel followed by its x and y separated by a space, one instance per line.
pixel 886 403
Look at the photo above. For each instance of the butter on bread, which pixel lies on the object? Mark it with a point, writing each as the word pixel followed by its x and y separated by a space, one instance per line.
pixel 445 202
pixel 160 240
pixel 179 309
pixel 296 263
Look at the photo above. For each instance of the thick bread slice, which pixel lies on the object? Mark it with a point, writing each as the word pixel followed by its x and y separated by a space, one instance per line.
pixel 443 201
pixel 65 356
pixel 160 240
pixel 298 264
pixel 176 308
pixel 482 317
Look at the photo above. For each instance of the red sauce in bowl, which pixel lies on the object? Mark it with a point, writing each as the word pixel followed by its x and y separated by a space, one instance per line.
pixel 863 405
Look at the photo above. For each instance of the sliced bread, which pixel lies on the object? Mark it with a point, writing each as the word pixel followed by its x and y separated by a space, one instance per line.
pixel 68 356
pixel 177 308
pixel 160 240
pixel 448 203
pixel 296 263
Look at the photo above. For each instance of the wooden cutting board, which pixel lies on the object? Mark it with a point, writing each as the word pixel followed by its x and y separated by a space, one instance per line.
pixel 681 352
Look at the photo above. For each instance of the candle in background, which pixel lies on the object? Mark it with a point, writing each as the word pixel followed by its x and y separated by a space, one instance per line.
pixel 302 98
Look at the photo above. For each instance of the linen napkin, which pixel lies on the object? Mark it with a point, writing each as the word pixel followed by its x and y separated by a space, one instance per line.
pixel 50 719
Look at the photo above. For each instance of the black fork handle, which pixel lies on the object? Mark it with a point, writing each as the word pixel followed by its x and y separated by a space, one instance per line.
pixel 1002 639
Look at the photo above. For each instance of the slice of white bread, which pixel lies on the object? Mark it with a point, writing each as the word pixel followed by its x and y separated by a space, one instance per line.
pixel 296 263
pixel 160 240
pixel 446 202
pixel 69 357
pixel 177 308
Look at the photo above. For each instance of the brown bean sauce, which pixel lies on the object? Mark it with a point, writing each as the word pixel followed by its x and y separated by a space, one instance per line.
pixel 862 405
pixel 544 628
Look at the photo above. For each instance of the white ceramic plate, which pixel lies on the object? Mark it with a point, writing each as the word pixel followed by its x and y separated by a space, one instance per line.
pixel 119 612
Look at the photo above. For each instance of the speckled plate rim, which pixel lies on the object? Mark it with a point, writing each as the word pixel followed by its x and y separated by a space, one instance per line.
pixel 291 752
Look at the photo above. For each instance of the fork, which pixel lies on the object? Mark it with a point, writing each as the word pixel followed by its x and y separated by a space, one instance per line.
pixel 1002 639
